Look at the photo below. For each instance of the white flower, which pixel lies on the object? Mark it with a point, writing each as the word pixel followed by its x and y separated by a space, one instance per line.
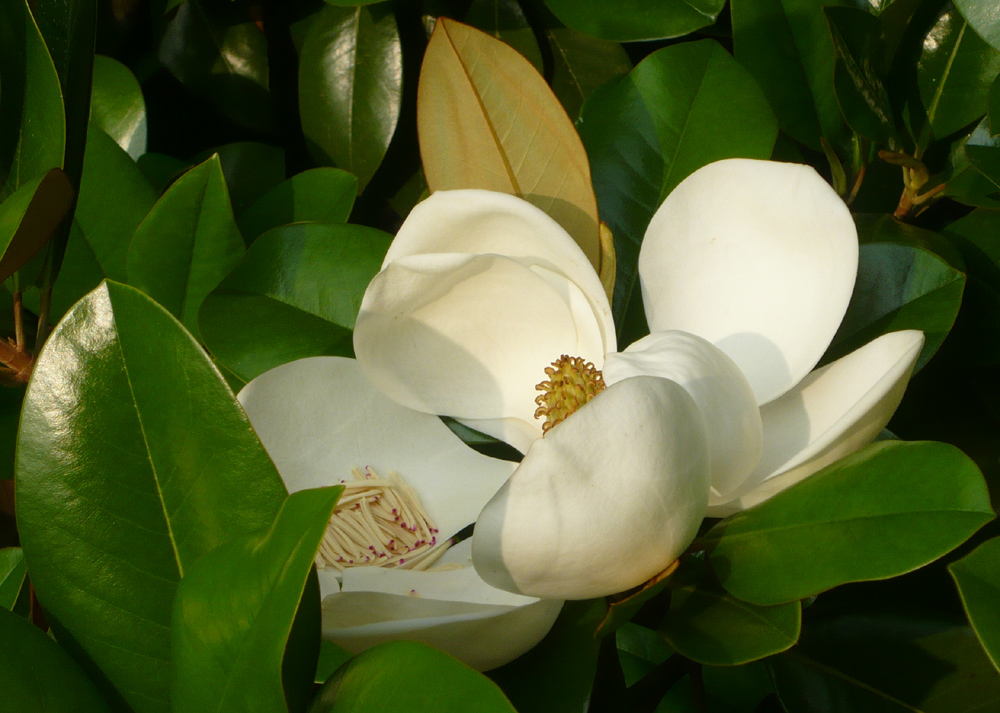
pixel 746 271
pixel 319 419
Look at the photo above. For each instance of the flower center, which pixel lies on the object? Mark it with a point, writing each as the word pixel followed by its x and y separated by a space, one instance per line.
pixel 379 522
pixel 572 382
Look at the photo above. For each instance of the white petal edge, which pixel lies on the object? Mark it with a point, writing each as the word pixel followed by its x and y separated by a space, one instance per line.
pixel 836 410
pixel 318 418
pixel 476 221
pixel 757 257
pixel 606 500
pixel 470 336
pixel 718 387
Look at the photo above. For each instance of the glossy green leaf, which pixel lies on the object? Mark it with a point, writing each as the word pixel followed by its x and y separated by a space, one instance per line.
pixel 900 287
pixel 117 105
pixel 993 107
pixel 37 675
pixel 81 272
pixel 964 182
pixel 875 228
pixel 505 20
pixel 222 59
pixel 234 610
pixel 787 47
pixel 32 109
pixel 630 20
pixel 187 244
pixel 321 195
pixel 12 572
pixel 405 675
pixel 295 294
pixel 896 663
pixel 161 170
pixel 977 576
pixel 251 169
pixel 984 18
pixel 350 87
pixel 581 64
pixel 708 625
pixel 886 510
pixel 30 216
pixel 134 461
pixel 983 151
pixel 640 651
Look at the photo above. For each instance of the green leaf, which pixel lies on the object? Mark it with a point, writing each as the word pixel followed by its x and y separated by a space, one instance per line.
pixel 30 216
pixel 251 170
pixel 12 574
pixel 134 460
pixel 964 182
pixel 630 20
pixel 899 287
pixel 295 294
pixel 884 511
pixel 581 64
pixel 331 657
pixel 983 151
pixel 117 105
pixel 736 689
pixel 37 675
pixel 222 59
pixel 350 88
pixel 900 662
pixel 640 651
pixel 404 675
pixel 984 18
pixel 708 625
pixel 188 243
pixel 234 610
pixel 993 107
pixel 977 576
pixel 80 273
pixel 505 20
pixel 321 195
pixel 161 170
pixel 787 47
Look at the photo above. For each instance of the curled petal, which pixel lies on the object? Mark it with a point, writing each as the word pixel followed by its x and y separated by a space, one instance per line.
pixel 757 257
pixel 606 500
pixel 319 418
pixel 470 336
pixel 718 387
pixel 832 413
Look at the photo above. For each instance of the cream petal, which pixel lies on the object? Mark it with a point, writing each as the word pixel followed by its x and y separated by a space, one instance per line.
pixel 718 387
pixel 757 257
pixel 319 418
pixel 470 336
pixel 606 500
pixel 475 221
pixel 832 413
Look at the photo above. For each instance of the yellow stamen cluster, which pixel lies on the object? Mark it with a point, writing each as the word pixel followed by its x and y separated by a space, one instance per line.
pixel 572 382
pixel 379 522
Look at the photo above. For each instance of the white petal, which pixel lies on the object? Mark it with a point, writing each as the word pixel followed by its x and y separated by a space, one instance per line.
pixel 318 418
pixel 475 221
pixel 470 336
pixel 757 257
pixel 718 387
pixel 606 500
pixel 834 411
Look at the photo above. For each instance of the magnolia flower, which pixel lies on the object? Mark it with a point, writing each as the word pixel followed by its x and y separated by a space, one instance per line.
pixel 410 486
pixel 746 272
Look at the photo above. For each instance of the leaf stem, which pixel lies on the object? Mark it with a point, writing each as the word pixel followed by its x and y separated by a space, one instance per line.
pixel 18 321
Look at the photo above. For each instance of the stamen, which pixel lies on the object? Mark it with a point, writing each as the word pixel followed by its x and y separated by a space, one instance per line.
pixel 572 382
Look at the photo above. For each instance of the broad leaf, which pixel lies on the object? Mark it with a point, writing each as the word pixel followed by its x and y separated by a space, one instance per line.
pixel 234 610
pixel 321 195
pixel 295 294
pixel 188 243
pixel 487 119
pixel 630 20
pixel 117 105
pixel 30 216
pixel 406 675
pixel 134 460
pixel 350 87
pixel 984 18
pixel 251 170
pixel 640 651
pixel 81 272
pixel 736 689
pixel 581 64
pixel 884 511
pixel 505 20
pixel 964 182
pixel 12 572
pixel 977 576
pixel 983 151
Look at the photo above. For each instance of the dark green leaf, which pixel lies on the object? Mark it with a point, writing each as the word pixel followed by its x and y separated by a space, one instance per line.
pixel 161 170
pixel 993 107
pixel 640 651
pixel 222 59
pixel 891 663
pixel 81 272
pixel 736 689
pixel 251 170
pixel 874 228
pixel 983 151
pixel 978 328
pixel 29 217
pixel 350 88
pixel 321 195
pixel 965 183
pixel 708 625
pixel 234 609
pixel 404 675
pixel 295 294
pixel 622 607
pixel 188 243
pixel 331 657
pixel 984 18
pixel 12 571
pixel 10 414
pixel 581 64
pixel 505 20
pixel 134 460
pixel 117 105
pixel 886 510
pixel 977 576
pixel 787 47
pixel 37 675
pixel 629 20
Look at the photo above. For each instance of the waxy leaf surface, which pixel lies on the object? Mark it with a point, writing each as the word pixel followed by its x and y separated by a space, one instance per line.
pixel 977 576
pixel 320 195
pixel 631 20
pixel 117 105
pixel 12 571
